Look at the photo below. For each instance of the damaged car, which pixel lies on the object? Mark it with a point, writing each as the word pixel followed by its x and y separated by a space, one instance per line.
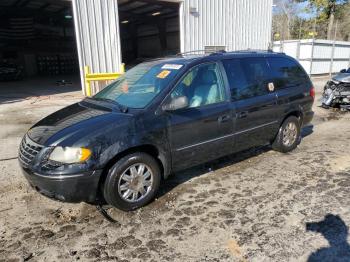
pixel 337 91
pixel 164 116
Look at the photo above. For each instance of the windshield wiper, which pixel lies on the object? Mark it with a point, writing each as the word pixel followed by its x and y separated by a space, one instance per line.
pixel 121 108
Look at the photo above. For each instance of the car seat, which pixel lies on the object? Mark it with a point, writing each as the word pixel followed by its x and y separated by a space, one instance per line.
pixel 206 89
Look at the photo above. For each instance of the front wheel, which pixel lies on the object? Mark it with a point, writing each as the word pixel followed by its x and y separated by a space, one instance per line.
pixel 132 181
pixel 288 135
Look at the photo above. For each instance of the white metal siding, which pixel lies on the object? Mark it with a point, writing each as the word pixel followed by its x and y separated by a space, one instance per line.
pixel 238 24
pixel 316 55
pixel 235 24
pixel 97 33
pixel 291 49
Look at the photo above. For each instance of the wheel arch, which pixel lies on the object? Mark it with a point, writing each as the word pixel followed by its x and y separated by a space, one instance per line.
pixel 297 113
pixel 150 149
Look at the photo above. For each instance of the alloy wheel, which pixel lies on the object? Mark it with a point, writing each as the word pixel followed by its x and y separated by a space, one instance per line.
pixel 135 183
pixel 290 133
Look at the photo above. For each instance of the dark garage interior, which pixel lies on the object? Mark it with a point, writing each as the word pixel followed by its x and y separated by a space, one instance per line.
pixel 37 38
pixel 148 29
pixel 38 51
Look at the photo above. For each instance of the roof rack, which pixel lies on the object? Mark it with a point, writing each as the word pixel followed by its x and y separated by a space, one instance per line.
pixel 218 52
pixel 252 50
pixel 221 52
pixel 256 51
pixel 190 52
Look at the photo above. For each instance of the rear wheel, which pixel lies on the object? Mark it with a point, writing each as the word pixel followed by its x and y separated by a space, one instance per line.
pixel 288 135
pixel 132 181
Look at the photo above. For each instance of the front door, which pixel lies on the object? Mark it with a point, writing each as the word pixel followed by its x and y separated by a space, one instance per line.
pixel 203 131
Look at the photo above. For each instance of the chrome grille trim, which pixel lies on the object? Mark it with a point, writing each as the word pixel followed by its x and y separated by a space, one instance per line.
pixel 28 150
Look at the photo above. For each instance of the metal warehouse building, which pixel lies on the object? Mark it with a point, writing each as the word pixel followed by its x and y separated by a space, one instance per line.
pixel 60 37
pixel 112 32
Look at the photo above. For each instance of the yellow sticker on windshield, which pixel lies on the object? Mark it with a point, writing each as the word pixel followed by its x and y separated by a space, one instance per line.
pixel 163 74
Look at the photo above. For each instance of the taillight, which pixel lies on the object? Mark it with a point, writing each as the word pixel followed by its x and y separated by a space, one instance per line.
pixel 312 92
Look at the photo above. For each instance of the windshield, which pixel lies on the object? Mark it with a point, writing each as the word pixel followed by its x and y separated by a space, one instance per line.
pixel 139 85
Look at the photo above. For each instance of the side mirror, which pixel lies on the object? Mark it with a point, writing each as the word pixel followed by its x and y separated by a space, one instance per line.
pixel 343 71
pixel 176 103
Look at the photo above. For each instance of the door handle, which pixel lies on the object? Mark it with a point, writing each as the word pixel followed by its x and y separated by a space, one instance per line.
pixel 224 118
pixel 242 114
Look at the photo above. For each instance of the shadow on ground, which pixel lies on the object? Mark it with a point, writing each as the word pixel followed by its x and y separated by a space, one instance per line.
pixel 183 176
pixel 307 130
pixel 333 228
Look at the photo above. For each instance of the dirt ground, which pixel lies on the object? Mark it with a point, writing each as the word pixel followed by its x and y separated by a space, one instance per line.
pixel 258 205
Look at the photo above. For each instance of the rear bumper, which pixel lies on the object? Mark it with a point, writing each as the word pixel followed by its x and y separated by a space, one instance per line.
pixel 68 188
pixel 307 118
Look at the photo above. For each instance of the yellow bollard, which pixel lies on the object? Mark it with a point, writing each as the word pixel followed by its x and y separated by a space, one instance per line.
pixel 99 77
pixel 122 68
pixel 87 81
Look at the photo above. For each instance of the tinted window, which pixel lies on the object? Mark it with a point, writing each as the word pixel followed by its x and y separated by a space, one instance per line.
pixel 202 85
pixel 286 72
pixel 248 77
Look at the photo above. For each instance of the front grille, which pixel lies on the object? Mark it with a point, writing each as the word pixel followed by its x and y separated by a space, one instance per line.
pixel 28 150
pixel 343 87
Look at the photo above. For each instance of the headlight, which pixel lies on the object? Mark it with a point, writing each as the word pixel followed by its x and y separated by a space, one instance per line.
pixel 70 155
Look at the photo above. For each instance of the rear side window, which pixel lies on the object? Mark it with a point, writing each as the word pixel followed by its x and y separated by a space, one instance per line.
pixel 248 77
pixel 286 72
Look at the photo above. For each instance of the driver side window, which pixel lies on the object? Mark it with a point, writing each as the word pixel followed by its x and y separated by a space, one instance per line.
pixel 202 85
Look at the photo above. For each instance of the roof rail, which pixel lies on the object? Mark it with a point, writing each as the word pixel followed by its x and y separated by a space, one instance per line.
pixel 253 50
pixel 256 51
pixel 190 52
pixel 204 52
pixel 218 52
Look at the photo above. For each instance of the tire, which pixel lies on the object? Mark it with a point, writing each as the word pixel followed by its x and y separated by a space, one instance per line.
pixel 281 142
pixel 121 177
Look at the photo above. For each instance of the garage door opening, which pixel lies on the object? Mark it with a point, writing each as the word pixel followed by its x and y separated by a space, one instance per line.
pixel 148 29
pixel 38 53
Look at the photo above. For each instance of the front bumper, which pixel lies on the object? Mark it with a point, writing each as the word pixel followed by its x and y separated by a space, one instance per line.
pixel 68 188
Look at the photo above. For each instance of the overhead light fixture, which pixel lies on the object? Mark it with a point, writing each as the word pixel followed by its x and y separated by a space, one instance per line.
pixel 68 15
pixel 156 13
pixel 125 21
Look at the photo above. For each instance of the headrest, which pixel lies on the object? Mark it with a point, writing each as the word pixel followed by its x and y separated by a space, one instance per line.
pixel 208 77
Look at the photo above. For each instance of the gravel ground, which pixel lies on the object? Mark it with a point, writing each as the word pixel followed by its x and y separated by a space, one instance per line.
pixel 257 205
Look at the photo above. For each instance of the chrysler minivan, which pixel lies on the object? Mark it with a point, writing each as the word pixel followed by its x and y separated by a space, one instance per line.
pixel 163 116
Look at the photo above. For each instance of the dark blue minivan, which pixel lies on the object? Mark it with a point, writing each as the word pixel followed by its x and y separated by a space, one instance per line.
pixel 163 116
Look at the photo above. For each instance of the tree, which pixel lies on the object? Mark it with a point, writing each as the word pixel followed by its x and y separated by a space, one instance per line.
pixel 325 12
pixel 344 22
pixel 286 12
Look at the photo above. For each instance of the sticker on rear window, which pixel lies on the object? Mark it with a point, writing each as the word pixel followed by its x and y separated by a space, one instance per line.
pixel 163 74
pixel 171 66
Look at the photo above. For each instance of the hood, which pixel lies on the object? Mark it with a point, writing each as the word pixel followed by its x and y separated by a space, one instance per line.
pixel 342 77
pixel 73 125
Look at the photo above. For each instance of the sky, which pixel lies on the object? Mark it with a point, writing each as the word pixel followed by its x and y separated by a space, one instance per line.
pixel 304 14
pixel 301 7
